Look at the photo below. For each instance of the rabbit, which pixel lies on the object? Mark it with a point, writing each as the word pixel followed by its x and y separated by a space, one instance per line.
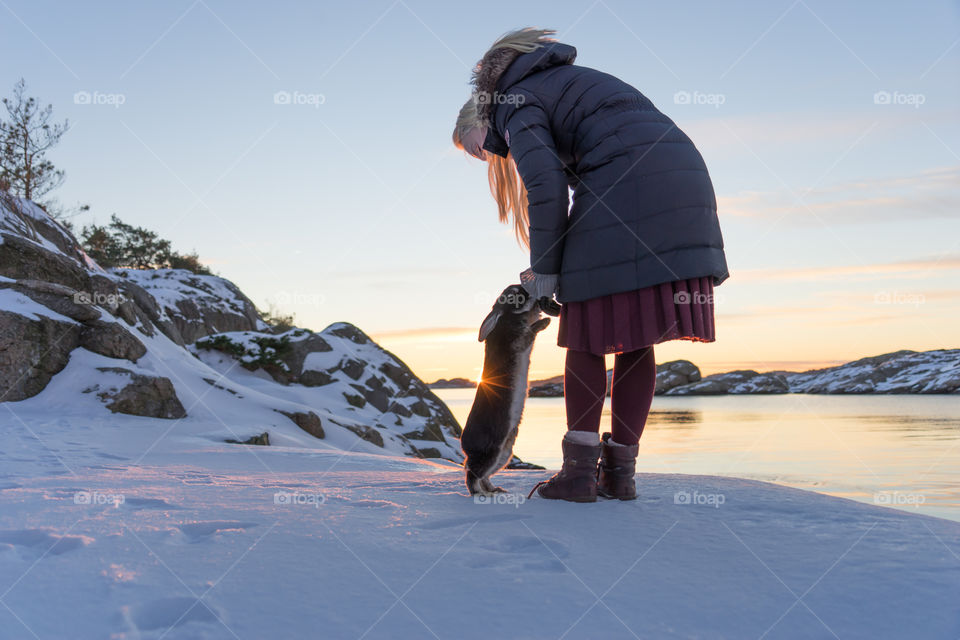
pixel 508 332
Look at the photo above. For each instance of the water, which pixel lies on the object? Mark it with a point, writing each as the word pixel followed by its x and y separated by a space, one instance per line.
pixel 897 450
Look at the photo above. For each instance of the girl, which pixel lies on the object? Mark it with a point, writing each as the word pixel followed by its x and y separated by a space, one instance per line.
pixel 635 259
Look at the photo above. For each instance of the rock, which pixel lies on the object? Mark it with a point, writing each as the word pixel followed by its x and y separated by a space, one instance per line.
pixel 311 378
pixel 21 259
pixel 353 368
pixel 350 332
pixel 669 375
pixel 31 352
pixel 308 421
pixel 32 222
pixel 262 439
pixel 431 431
pixel 369 434
pixel 547 390
pixel 935 371
pixel 429 452
pixel 298 352
pixel 734 382
pixel 355 400
pixel 112 340
pixel 517 463
pixel 56 297
pixel 674 374
pixel 149 396
pixel 453 383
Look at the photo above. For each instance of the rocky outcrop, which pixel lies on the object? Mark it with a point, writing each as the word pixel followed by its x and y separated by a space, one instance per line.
pixel 898 372
pixel 121 332
pixel 733 382
pixel 676 373
pixel 453 383
pixel 669 376
pixel 112 340
pixel 356 376
pixel 187 306
pixel 143 395
pixel 32 350
pixel 308 421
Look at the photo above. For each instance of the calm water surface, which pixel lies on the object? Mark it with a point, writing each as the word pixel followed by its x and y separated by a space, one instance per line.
pixel 901 451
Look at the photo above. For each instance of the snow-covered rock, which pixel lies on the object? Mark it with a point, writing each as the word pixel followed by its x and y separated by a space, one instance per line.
pixel 169 344
pixel 899 372
pixel 733 382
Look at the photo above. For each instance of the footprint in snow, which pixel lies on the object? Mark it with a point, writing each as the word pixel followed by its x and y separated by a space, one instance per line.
pixel 167 613
pixel 200 531
pixel 42 542
pixel 137 504
pixel 455 522
pixel 525 552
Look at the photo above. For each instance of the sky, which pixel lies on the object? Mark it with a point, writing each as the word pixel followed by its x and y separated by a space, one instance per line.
pixel 303 150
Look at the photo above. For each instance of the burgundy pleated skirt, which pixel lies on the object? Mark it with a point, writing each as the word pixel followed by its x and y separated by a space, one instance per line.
pixel 679 310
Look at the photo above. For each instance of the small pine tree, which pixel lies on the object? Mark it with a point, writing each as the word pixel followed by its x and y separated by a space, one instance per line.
pixel 26 135
pixel 123 245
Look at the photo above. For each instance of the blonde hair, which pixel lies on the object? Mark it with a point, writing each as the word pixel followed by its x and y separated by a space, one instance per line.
pixel 506 186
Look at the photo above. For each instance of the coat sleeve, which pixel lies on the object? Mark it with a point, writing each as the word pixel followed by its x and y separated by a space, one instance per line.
pixel 542 172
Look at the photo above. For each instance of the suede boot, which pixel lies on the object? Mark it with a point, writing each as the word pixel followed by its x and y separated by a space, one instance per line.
pixel 617 466
pixel 577 480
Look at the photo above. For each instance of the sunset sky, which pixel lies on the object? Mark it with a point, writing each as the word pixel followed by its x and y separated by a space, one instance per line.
pixel 303 149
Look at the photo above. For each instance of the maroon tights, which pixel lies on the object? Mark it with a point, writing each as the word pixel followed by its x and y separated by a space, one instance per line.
pixel 585 386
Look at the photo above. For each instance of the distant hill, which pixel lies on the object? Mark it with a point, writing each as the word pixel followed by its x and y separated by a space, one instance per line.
pixel 453 383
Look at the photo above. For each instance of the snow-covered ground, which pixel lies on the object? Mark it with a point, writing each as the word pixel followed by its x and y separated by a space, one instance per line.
pixel 113 528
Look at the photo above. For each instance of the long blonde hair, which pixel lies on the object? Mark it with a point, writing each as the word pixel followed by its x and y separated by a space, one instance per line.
pixel 506 186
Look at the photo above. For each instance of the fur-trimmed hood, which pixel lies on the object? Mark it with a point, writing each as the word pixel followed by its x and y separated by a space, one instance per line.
pixel 502 67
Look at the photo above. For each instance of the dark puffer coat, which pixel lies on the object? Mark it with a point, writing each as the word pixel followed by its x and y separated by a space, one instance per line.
pixel 644 209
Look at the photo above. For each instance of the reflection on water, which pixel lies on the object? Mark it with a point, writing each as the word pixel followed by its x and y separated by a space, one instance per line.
pixel 901 451
pixel 675 419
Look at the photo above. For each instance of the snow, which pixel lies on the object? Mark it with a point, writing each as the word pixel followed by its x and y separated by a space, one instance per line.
pixel 113 527
pixel 170 286
pixel 23 223
pixel 16 302
pixel 907 371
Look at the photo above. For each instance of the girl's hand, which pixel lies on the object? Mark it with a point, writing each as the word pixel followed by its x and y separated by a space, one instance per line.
pixel 542 287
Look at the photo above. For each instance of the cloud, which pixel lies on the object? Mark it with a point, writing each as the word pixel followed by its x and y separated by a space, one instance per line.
pixel 932 193
pixel 749 132
pixel 920 267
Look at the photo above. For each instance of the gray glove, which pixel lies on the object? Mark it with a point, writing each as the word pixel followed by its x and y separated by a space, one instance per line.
pixel 542 287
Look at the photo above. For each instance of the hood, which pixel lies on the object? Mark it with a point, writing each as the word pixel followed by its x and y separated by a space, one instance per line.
pixel 502 68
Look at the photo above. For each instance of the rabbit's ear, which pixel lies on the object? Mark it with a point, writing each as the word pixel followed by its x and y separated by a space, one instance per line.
pixel 489 323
